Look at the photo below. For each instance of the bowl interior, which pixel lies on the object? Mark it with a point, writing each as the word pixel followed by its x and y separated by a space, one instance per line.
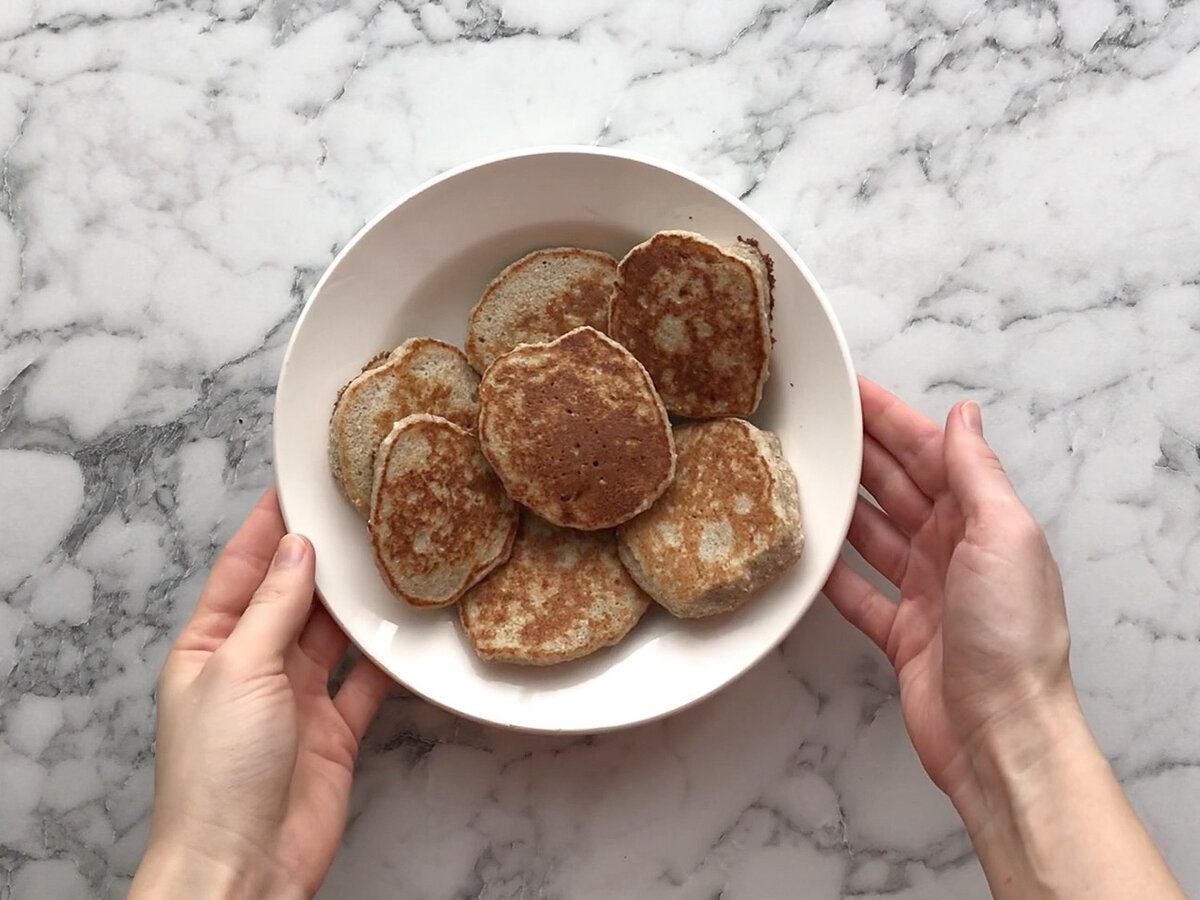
pixel 417 270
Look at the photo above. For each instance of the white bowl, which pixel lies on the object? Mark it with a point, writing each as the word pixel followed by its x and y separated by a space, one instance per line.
pixel 417 269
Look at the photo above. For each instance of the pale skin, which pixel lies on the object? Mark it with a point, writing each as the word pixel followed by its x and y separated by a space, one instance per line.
pixel 979 642
pixel 255 757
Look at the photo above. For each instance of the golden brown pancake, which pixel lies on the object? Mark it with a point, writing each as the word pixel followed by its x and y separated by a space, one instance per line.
pixel 727 525
pixel 539 297
pixel 575 430
pixel 698 317
pixel 422 375
pixel 440 519
pixel 561 595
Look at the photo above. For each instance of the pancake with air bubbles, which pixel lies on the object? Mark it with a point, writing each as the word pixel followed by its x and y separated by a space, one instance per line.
pixel 539 297
pixel 727 526
pixel 698 317
pixel 561 595
pixel 422 375
pixel 576 431
pixel 440 519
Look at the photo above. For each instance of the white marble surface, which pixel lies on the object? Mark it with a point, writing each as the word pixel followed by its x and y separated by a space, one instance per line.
pixel 1001 202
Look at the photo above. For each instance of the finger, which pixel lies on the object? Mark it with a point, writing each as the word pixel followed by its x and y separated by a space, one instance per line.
pixel 323 641
pixel 361 695
pixel 913 439
pixel 975 475
pixel 886 481
pixel 860 604
pixel 879 541
pixel 280 606
pixel 238 572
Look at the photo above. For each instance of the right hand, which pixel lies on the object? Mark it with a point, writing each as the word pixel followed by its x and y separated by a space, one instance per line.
pixel 979 638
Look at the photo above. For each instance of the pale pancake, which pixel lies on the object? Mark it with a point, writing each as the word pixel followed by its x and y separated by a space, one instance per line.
pixel 728 525
pixel 539 297
pixel 422 375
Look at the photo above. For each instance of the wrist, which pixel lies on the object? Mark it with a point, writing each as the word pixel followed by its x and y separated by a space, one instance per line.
pixel 177 871
pixel 1026 750
pixel 1018 756
pixel 173 869
pixel 1046 814
pixel 1027 769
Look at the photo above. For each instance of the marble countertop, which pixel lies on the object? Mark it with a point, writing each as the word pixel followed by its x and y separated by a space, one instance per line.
pixel 1001 202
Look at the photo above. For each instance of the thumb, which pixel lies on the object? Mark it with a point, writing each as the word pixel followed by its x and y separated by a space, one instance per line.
pixel 280 607
pixel 974 474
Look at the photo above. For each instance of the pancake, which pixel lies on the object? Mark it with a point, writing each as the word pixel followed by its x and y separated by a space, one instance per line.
pixel 728 525
pixel 440 519
pixel 575 430
pixel 698 317
pixel 561 595
pixel 539 297
pixel 422 375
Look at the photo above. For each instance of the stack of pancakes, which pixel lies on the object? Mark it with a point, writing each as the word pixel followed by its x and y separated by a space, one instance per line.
pixel 537 479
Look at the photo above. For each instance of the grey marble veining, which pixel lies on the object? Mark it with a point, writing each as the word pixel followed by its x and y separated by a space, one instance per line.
pixel 999 200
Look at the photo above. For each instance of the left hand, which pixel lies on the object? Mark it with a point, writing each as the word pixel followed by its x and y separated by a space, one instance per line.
pixel 254 757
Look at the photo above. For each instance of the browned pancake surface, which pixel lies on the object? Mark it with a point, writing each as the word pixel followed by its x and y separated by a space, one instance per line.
pixel 727 523
pixel 695 317
pixel 440 519
pixel 575 430
pixel 539 297
pixel 561 595
pixel 422 375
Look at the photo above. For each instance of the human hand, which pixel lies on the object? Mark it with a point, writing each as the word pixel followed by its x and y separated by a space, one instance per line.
pixel 254 757
pixel 979 638
pixel 980 644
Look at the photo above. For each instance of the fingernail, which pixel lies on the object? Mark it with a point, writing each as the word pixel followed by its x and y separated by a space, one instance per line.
pixel 290 552
pixel 970 413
